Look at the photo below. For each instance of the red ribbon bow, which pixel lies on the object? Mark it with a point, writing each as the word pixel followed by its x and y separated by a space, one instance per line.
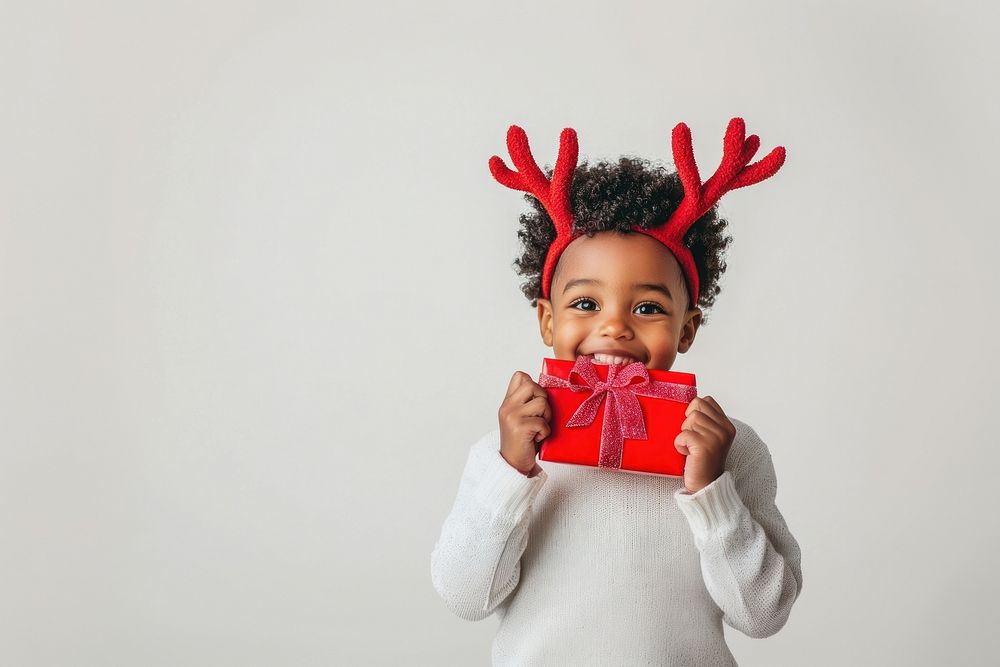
pixel 623 415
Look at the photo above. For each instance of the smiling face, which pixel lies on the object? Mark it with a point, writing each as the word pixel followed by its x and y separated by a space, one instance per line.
pixel 620 293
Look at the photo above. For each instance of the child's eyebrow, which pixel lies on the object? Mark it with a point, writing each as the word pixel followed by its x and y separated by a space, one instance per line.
pixel 656 287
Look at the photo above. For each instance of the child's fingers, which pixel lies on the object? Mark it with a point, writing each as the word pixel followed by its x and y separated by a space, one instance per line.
pixel 681 443
pixel 701 423
pixel 706 405
pixel 516 381
pixel 538 426
pixel 527 392
pixel 709 399
pixel 537 407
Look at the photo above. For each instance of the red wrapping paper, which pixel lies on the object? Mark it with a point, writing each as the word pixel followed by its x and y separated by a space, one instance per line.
pixel 636 434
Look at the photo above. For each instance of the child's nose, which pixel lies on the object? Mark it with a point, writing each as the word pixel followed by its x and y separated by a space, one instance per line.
pixel 615 324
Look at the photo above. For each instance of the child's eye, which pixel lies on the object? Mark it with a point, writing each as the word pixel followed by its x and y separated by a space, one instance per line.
pixel 581 300
pixel 651 305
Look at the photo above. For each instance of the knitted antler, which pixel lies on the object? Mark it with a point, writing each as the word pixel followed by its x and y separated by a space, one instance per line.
pixel 733 172
pixel 554 194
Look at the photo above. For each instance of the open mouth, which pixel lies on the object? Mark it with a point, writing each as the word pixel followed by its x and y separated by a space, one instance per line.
pixel 610 359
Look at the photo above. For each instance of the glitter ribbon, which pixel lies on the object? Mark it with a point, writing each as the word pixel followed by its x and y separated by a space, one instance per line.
pixel 623 415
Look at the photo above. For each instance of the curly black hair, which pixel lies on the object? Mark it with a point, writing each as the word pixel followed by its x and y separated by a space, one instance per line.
pixel 609 196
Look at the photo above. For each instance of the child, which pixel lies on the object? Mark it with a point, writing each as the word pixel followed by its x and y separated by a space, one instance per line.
pixel 596 566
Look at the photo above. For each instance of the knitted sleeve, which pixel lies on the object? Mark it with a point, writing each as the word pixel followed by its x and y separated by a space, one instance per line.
pixel 750 561
pixel 476 562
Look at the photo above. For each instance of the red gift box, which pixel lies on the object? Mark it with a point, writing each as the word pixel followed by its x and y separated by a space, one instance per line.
pixel 628 422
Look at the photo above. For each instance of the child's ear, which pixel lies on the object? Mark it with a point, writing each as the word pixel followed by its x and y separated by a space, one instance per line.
pixel 545 320
pixel 692 320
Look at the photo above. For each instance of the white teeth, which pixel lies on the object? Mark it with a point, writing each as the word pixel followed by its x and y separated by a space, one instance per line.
pixel 608 359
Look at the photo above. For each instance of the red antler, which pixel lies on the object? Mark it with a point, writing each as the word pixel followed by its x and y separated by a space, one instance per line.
pixel 733 172
pixel 553 194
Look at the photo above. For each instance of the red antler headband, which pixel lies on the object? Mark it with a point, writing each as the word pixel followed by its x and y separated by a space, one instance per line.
pixel 733 172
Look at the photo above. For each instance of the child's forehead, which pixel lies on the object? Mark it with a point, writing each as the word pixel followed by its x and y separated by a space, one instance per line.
pixel 623 270
pixel 617 258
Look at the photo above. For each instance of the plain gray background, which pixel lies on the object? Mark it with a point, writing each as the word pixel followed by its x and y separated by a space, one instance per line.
pixel 258 303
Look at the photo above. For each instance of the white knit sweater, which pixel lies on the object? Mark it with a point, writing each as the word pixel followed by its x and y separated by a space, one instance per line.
pixel 592 566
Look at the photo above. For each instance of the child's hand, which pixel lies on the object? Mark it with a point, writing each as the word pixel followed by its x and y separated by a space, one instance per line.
pixel 705 438
pixel 524 421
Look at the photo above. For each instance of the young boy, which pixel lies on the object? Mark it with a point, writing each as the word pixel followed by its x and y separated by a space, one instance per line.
pixel 598 566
